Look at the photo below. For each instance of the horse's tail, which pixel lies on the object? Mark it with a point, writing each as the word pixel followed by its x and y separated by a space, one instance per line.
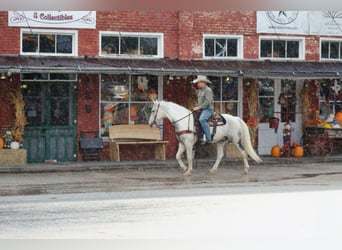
pixel 246 142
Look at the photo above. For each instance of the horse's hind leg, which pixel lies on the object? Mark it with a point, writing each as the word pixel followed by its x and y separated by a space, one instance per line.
pixel 189 158
pixel 244 157
pixel 219 156
pixel 181 149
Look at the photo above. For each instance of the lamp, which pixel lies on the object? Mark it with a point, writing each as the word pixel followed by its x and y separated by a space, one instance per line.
pixel 2 77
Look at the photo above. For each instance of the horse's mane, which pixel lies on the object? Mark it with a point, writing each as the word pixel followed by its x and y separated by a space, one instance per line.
pixel 176 106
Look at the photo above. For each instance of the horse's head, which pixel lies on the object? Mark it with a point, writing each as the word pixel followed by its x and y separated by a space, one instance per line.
pixel 156 114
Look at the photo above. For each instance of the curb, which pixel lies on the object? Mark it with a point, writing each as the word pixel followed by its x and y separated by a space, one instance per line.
pixel 110 165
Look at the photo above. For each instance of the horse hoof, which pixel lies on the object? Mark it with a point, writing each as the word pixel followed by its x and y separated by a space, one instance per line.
pixel 211 171
pixel 245 171
pixel 187 173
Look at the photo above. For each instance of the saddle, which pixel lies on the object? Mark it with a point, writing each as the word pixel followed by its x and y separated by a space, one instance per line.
pixel 214 121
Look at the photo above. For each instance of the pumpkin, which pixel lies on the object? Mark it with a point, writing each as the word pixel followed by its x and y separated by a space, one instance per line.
pixel 298 151
pixel 1 143
pixel 275 151
pixel 338 116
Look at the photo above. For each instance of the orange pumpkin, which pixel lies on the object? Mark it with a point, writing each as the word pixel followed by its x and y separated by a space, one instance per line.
pixel 276 151
pixel 1 143
pixel 338 116
pixel 298 151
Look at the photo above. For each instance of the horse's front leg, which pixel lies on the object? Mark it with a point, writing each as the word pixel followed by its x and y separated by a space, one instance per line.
pixel 181 149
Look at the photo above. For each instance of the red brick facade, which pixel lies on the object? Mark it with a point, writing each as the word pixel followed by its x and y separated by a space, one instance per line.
pixel 183 39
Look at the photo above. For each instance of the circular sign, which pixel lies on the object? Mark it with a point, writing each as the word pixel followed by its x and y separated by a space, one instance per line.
pixel 282 17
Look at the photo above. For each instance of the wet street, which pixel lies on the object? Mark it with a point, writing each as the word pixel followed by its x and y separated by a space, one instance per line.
pixel 284 203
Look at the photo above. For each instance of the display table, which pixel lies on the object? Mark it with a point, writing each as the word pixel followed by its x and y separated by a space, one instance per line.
pixel 322 141
pixel 12 156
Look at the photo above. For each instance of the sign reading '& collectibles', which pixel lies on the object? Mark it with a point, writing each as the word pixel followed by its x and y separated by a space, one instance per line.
pixel 53 19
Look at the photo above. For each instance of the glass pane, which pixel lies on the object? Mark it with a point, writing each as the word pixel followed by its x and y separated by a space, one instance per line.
pixel 293 49
pixel 139 113
pixel 209 47
pixel 34 76
pixel 34 97
pixel 215 87
pixel 47 43
pixel 232 47
pixel 148 46
pixel 57 76
pixel 60 90
pixel 230 108
pixel 266 87
pixel 279 49
pixel 144 88
pixel 60 112
pixel 266 48
pixel 113 113
pixel 325 49
pixel 288 100
pixel 110 45
pixel 64 44
pixel 230 88
pixel 129 45
pixel 114 87
pixel 334 49
pixel 30 43
pixel 266 99
pixel 221 47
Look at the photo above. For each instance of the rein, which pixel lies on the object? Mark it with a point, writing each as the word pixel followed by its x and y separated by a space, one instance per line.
pixel 182 132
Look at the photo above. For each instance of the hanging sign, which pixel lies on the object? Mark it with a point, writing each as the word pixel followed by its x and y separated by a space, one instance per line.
pixel 53 19
pixel 300 22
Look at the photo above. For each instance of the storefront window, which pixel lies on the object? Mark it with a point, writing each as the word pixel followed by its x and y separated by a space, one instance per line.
pixel 126 99
pixel 222 46
pixel 331 49
pixel 131 44
pixel 281 48
pixel 226 96
pixel 49 43
pixel 266 99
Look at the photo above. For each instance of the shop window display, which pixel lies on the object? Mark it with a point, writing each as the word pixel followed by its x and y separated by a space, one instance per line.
pixel 226 96
pixel 266 99
pixel 126 99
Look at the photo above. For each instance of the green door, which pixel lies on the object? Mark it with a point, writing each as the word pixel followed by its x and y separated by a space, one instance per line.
pixel 50 109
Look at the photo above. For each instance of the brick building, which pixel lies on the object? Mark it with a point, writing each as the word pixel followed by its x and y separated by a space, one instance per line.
pixel 83 71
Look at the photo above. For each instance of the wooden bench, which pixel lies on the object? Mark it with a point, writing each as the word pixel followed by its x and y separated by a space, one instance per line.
pixel 136 134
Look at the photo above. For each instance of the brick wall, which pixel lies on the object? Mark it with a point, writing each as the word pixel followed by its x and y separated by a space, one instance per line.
pixel 183 31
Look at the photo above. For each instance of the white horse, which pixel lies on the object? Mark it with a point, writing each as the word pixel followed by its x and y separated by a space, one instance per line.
pixel 235 131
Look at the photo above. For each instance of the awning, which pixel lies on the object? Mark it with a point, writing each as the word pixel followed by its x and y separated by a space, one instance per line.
pixel 166 66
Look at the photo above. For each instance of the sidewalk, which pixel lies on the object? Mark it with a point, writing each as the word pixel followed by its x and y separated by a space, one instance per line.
pixel 171 163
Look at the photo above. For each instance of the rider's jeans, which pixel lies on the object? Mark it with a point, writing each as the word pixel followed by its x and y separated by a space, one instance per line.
pixel 205 115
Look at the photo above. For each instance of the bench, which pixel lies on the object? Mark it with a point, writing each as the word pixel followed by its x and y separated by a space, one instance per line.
pixel 91 145
pixel 136 134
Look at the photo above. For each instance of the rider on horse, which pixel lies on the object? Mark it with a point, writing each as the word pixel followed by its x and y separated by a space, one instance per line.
pixel 205 104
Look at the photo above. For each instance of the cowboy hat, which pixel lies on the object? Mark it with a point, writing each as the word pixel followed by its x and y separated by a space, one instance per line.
pixel 201 78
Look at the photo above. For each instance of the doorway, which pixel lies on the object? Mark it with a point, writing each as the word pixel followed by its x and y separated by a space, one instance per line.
pixel 50 109
pixel 278 98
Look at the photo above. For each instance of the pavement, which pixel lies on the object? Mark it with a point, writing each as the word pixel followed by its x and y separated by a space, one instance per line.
pixel 146 164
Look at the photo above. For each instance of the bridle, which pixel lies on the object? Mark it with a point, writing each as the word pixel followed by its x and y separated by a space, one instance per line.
pixel 182 132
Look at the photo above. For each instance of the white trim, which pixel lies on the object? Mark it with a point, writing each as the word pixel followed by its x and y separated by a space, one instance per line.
pixel 240 51
pixel 301 53
pixel 159 36
pixel 327 39
pixel 73 33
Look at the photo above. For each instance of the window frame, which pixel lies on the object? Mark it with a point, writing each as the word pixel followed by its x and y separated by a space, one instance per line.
pixel 239 38
pixel 73 33
pixel 159 36
pixel 301 44
pixel 328 39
